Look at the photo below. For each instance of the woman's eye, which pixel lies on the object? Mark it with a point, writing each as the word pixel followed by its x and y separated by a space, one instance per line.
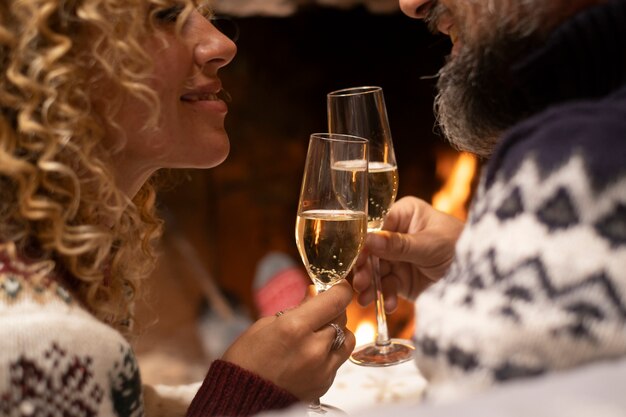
pixel 170 14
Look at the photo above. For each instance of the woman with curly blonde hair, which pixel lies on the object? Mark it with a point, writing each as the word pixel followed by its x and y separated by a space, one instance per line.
pixel 95 97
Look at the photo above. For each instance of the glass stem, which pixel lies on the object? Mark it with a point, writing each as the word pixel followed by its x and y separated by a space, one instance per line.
pixel 382 334
pixel 315 407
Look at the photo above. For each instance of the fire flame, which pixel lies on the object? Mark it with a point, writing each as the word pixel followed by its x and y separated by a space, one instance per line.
pixel 365 332
pixel 454 194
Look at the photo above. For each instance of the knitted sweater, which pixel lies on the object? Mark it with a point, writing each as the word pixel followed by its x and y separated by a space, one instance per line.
pixel 539 278
pixel 56 359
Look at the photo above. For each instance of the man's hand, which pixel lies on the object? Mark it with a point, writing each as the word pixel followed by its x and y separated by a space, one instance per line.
pixel 415 247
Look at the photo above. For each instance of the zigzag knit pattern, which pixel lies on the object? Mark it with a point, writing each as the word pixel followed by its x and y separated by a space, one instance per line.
pixel 539 280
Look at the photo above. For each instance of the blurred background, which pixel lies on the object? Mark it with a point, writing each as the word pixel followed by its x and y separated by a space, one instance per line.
pixel 221 223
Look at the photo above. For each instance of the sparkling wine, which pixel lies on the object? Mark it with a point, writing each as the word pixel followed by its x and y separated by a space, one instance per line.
pixel 347 179
pixel 383 189
pixel 329 242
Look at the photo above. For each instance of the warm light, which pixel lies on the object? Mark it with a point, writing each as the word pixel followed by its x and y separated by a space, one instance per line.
pixel 365 332
pixel 456 190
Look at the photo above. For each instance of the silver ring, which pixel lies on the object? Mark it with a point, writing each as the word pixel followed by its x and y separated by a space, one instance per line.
pixel 279 313
pixel 340 336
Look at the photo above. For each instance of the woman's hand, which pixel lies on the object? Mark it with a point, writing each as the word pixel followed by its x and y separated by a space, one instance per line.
pixel 294 350
pixel 415 249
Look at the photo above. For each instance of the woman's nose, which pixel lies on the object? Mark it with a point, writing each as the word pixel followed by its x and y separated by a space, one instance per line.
pixel 214 49
pixel 416 9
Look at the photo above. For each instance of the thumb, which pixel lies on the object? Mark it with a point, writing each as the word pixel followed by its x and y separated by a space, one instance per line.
pixel 395 246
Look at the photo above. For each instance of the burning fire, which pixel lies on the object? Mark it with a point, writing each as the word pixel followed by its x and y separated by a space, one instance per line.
pixel 456 190
pixel 365 332
pixel 458 170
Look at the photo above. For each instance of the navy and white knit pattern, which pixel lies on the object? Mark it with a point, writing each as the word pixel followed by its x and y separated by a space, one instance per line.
pixel 539 280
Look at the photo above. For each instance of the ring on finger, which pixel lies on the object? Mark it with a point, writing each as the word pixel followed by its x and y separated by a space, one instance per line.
pixel 340 336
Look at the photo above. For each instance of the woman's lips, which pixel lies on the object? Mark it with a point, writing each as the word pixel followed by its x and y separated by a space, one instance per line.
pixel 194 97
pixel 210 102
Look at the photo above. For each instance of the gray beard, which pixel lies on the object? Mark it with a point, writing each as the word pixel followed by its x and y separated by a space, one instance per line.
pixel 473 106
pixel 477 96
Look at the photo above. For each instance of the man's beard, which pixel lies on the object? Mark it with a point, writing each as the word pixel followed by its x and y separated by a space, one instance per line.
pixel 477 96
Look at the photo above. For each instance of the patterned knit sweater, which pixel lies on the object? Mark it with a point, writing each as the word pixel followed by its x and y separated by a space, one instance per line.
pixel 539 280
pixel 56 359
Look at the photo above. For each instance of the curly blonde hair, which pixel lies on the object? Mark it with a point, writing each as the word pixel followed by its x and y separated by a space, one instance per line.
pixel 58 197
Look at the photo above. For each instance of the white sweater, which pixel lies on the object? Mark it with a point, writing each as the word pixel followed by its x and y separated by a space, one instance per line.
pixel 539 278
pixel 57 359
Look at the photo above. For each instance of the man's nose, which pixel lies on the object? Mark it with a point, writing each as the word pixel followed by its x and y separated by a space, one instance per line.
pixel 416 9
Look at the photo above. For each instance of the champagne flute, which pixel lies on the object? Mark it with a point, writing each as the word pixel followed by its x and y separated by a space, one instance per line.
pixel 361 111
pixel 331 222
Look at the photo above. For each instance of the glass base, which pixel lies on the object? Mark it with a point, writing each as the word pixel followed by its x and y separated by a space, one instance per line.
pixel 324 410
pixel 397 351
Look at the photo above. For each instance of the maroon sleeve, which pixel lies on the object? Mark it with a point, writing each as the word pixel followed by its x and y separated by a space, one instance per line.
pixel 229 390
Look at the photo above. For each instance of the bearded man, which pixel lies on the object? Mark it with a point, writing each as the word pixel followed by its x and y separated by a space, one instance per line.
pixel 535 281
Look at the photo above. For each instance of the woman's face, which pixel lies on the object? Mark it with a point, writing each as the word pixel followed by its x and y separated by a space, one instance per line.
pixel 190 130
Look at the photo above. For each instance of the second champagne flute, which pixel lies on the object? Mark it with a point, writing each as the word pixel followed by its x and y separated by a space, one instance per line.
pixel 361 111
pixel 331 223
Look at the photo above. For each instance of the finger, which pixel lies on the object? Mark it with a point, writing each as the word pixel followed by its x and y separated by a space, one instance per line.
pixel 326 306
pixel 366 298
pixel 349 344
pixel 385 267
pixel 340 355
pixel 403 212
pixel 342 320
pixel 332 332
pixel 390 286
pixel 362 279
pixel 362 258
pixel 398 246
